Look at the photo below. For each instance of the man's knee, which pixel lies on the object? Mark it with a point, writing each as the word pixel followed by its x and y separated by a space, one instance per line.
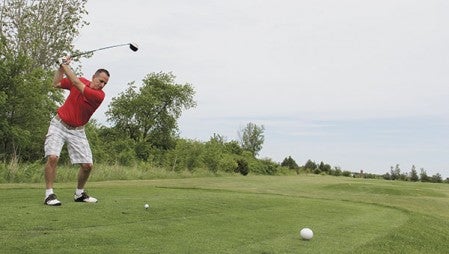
pixel 52 159
pixel 86 167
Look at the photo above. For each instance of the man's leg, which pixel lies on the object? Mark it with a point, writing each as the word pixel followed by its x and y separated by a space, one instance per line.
pixel 80 153
pixel 50 171
pixel 50 176
pixel 54 142
pixel 83 176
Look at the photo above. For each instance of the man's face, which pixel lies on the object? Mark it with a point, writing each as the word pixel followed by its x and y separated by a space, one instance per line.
pixel 99 81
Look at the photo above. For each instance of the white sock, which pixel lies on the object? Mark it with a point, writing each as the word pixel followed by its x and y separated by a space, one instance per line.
pixel 48 192
pixel 78 192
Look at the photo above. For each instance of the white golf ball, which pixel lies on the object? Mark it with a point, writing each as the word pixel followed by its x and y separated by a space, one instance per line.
pixel 306 233
pixel 146 206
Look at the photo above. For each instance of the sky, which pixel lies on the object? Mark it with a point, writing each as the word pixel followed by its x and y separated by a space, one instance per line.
pixel 360 85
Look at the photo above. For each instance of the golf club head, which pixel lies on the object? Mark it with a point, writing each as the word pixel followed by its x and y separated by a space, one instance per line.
pixel 133 47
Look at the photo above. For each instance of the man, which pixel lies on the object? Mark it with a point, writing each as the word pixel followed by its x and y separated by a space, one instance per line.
pixel 68 127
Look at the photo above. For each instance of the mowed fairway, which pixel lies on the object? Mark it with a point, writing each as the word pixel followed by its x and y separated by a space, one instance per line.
pixel 252 214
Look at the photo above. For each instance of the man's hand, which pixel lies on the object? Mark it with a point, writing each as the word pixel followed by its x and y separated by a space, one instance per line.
pixel 65 69
pixel 63 60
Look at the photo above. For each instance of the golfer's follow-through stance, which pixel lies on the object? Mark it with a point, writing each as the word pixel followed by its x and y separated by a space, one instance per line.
pixel 68 127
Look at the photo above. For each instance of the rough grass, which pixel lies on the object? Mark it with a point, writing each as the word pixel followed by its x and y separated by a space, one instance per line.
pixel 253 214
pixel 34 172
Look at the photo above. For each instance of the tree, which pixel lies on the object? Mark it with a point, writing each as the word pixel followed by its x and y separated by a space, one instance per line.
pixel 26 104
pixel 337 171
pixel 310 166
pixel 213 154
pixel 423 176
pixel 395 172
pixel 290 163
pixel 150 114
pixel 42 30
pixel 32 35
pixel 233 147
pixel 252 138
pixel 187 154
pixel 386 176
pixel 414 174
pixel 437 178
pixel 325 167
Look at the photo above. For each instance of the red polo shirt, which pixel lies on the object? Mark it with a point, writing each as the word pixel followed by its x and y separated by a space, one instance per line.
pixel 78 108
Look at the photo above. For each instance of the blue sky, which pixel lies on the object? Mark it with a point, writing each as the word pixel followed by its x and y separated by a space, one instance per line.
pixel 362 85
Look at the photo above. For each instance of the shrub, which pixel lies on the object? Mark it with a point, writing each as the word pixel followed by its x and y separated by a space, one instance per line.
pixel 228 164
pixel 346 173
pixel 242 167
pixel 127 157
pixel 263 167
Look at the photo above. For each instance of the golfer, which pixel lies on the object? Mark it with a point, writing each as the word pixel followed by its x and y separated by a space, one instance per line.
pixel 68 127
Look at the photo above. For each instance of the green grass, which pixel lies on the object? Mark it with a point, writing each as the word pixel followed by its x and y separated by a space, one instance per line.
pixel 236 214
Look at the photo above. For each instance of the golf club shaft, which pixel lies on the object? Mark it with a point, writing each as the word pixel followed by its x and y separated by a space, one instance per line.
pixel 91 51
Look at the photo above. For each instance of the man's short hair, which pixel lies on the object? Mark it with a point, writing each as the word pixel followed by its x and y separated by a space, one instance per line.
pixel 102 70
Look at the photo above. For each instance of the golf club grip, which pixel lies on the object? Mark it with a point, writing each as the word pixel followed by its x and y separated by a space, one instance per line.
pixel 80 54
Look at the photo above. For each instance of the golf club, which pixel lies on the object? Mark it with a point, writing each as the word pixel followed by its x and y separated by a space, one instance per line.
pixel 132 46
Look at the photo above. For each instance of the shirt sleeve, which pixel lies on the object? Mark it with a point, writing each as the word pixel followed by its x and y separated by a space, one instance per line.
pixel 66 84
pixel 95 96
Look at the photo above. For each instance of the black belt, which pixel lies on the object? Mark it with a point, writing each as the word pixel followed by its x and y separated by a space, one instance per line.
pixel 66 125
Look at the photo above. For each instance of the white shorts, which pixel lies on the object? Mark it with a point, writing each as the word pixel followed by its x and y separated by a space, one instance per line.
pixel 77 143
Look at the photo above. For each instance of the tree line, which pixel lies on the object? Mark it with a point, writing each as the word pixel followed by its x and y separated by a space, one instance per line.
pixel 395 173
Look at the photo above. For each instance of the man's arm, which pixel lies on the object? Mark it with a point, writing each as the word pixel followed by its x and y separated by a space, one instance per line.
pixel 65 67
pixel 59 75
